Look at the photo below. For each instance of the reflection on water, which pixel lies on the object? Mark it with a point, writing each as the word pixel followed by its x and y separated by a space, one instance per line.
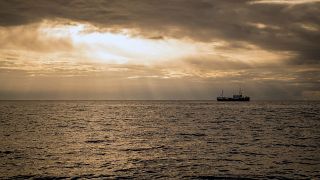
pixel 159 139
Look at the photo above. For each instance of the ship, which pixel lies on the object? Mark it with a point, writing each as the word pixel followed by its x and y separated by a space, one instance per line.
pixel 235 97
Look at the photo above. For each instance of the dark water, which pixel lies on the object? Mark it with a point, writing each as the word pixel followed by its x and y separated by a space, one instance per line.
pixel 159 139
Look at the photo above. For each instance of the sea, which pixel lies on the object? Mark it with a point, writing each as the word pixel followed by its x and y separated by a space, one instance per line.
pixel 159 140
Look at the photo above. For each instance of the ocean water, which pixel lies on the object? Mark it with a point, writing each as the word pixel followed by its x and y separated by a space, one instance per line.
pixel 159 139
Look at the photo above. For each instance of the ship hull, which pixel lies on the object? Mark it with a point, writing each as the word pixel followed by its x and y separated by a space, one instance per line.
pixel 232 99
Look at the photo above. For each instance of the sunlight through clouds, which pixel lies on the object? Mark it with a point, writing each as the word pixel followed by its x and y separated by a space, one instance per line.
pixel 120 48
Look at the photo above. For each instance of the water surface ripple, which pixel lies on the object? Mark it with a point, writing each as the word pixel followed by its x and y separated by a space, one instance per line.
pixel 159 139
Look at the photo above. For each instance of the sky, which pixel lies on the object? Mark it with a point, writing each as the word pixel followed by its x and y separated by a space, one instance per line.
pixel 159 49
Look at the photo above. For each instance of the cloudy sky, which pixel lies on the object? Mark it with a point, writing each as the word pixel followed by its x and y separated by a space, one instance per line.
pixel 159 49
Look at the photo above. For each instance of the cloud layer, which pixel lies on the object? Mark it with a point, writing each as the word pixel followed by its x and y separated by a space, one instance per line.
pixel 270 45
pixel 276 26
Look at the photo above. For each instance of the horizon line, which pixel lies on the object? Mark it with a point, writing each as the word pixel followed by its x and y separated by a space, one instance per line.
pixel 148 100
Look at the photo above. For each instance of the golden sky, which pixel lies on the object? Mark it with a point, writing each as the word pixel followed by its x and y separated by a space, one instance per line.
pixel 151 49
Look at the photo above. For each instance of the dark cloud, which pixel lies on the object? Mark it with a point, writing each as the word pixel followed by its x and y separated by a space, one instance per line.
pixel 281 27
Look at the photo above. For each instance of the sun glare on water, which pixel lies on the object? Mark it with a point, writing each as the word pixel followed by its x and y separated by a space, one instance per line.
pixel 119 48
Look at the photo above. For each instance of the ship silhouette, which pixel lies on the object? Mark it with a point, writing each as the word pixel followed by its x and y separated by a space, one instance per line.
pixel 235 97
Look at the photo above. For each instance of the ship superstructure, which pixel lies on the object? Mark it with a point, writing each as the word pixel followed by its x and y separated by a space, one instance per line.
pixel 235 97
